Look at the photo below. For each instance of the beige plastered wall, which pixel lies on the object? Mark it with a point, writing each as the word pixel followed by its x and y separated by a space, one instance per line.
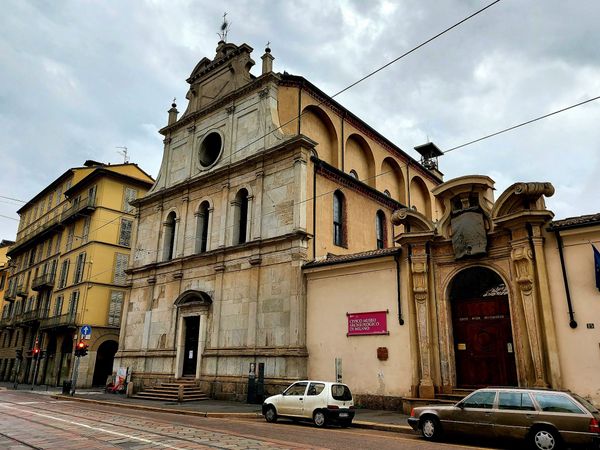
pixel 579 348
pixel 333 291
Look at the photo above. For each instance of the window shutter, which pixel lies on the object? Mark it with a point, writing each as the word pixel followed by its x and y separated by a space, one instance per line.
pixel 73 302
pixel 129 195
pixel 86 229
pixel 125 233
pixel 116 305
pixel 79 265
pixel 58 305
pixel 120 266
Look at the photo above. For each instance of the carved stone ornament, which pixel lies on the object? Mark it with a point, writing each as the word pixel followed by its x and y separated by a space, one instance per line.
pixel 230 109
pixel 469 237
pixel 534 189
pixel 191 129
pixel 167 140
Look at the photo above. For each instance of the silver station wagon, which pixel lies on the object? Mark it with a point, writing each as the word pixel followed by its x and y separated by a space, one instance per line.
pixel 548 419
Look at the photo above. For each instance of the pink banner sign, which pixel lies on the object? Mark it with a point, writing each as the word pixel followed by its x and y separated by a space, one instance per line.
pixel 374 322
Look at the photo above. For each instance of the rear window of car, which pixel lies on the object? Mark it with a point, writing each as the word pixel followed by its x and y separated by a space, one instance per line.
pixel 591 408
pixel 341 392
pixel 519 401
pixel 483 400
pixel 556 403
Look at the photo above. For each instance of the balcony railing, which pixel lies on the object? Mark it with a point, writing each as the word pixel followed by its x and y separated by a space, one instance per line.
pixel 10 295
pixel 6 322
pixel 45 281
pixel 63 321
pixel 36 235
pixel 33 316
pixel 84 206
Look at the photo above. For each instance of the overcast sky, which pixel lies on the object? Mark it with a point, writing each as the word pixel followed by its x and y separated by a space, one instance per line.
pixel 80 78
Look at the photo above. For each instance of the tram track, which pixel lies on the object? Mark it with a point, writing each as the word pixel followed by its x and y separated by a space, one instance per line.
pixel 19 441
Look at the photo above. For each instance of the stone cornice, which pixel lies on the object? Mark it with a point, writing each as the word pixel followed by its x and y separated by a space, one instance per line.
pixel 287 146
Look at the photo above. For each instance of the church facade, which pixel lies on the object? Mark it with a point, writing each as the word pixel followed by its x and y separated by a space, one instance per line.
pixel 260 175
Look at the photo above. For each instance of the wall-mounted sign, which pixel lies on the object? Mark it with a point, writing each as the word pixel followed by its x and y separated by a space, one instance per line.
pixel 374 322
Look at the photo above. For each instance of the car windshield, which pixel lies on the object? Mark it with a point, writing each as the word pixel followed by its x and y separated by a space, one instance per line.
pixel 341 392
pixel 591 408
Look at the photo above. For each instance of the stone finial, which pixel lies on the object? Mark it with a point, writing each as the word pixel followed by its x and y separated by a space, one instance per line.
pixel 267 59
pixel 173 113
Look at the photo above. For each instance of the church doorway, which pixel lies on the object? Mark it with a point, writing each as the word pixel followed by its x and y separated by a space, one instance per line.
pixel 483 342
pixel 105 357
pixel 190 356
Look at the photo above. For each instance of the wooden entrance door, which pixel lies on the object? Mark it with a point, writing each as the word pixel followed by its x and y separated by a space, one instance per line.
pixel 190 356
pixel 483 342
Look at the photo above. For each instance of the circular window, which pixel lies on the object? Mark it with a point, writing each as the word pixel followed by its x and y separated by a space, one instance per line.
pixel 210 149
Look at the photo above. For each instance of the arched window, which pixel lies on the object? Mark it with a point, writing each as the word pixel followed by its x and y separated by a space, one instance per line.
pixel 339 214
pixel 169 236
pixel 354 174
pixel 380 229
pixel 387 193
pixel 240 217
pixel 202 222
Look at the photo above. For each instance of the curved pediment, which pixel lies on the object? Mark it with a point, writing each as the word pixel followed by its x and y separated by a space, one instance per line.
pixel 193 297
pixel 413 220
pixel 522 197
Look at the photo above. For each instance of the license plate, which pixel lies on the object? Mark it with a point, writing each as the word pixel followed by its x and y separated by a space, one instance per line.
pixel 343 414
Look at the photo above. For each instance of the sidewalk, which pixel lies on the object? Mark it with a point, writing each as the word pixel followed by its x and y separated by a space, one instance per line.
pixel 365 418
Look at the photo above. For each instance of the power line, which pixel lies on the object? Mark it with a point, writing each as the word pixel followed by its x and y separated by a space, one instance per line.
pixel 14 199
pixel 6 217
pixel 422 44
pixel 522 124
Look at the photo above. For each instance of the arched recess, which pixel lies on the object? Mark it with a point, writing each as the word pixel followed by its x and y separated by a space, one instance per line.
pixel 482 329
pixel 391 179
pixel 105 356
pixel 241 217
pixel 169 236
pixel 359 157
pixel 317 125
pixel 203 227
pixel 419 196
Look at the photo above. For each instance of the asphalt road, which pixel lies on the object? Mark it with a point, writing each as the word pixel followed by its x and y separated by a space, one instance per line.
pixel 29 420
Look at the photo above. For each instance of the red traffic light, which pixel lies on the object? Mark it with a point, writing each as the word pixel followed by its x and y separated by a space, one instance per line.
pixel 81 345
pixel 36 350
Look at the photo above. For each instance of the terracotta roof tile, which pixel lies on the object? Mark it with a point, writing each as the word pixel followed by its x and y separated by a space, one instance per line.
pixel 574 222
pixel 337 259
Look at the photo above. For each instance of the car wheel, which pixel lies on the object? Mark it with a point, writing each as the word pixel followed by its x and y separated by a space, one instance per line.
pixel 545 439
pixel 271 414
pixel 319 419
pixel 430 428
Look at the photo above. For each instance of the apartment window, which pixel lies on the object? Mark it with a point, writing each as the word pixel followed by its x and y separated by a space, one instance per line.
pixel 380 229
pixel 339 226
pixel 121 260
pixel 114 310
pixel 49 247
pixel 86 229
pixel 64 272
pixel 52 271
pixel 79 268
pixel 202 227
pixel 125 232
pixel 32 256
pixel 70 234
pixel 73 303
pixel 58 304
pixel 170 230
pixel 240 216
pixel 129 194
pixel 91 196
pixel 354 174
pixel 58 241
pixel 58 195
pixel 2 280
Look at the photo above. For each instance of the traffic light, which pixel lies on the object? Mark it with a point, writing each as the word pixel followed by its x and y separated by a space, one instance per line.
pixel 35 352
pixel 43 354
pixel 19 353
pixel 81 349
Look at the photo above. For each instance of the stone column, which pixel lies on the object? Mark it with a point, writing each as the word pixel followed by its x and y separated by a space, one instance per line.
pixel 547 317
pixel 420 292
pixel 224 211
pixel 257 213
pixel 184 215
pixel 211 211
pixel 522 262
pixel 180 347
pixel 250 218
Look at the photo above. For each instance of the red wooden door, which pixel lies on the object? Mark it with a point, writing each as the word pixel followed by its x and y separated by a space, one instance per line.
pixel 483 342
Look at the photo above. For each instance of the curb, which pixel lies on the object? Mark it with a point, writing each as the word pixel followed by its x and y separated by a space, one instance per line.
pixel 356 424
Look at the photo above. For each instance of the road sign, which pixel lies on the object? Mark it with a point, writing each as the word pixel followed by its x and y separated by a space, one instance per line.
pixel 86 331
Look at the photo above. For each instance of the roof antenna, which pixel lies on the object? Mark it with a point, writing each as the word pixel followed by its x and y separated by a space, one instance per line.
pixel 124 153
pixel 224 28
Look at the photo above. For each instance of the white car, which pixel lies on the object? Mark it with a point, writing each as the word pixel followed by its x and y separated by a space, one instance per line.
pixel 322 402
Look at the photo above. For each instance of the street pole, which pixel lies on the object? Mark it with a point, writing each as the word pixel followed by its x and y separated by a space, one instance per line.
pixel 35 370
pixel 17 370
pixel 75 372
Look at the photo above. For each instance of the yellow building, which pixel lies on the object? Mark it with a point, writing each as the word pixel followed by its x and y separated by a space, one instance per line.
pixel 68 270
pixel 4 261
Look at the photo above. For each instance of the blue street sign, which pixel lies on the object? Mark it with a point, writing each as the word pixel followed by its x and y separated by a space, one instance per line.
pixel 86 330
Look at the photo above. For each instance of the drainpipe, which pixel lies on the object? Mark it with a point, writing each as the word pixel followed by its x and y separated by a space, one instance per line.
pixel 572 322
pixel 397 259
pixel 314 230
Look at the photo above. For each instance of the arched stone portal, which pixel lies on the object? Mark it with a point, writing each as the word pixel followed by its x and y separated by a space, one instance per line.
pixel 105 357
pixel 483 340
